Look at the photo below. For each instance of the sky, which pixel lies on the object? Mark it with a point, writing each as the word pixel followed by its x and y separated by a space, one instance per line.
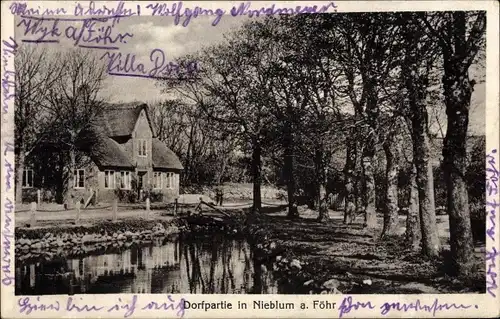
pixel 160 32
pixel 156 32
pixel 149 33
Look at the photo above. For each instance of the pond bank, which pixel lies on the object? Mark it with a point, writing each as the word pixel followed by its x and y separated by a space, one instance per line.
pixel 75 239
pixel 305 256
pixel 88 237
pixel 183 263
pixel 331 258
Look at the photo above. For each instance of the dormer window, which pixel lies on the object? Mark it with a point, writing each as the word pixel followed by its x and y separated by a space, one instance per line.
pixel 142 148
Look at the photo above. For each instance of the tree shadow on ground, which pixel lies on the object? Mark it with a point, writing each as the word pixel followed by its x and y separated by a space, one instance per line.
pixel 351 252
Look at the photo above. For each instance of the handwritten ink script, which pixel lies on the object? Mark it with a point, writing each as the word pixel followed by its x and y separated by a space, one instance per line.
pixel 119 64
pixel 491 206
pixel 7 239
pixel 92 33
pixel 349 305
pixel 9 48
pixel 22 9
pixel 94 27
pixel 176 9
pixel 28 305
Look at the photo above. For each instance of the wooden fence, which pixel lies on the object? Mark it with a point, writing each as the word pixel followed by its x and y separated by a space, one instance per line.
pixel 177 207
pixel 34 209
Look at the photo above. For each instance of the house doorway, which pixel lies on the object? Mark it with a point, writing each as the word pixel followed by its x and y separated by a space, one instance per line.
pixel 141 175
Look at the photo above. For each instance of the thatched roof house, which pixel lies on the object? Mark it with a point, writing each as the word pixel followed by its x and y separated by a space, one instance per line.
pixel 117 125
pixel 128 157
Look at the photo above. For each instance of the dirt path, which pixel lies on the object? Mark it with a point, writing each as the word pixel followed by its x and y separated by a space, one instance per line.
pixel 351 255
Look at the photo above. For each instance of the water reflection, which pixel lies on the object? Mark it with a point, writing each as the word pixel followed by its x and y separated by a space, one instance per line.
pixel 202 265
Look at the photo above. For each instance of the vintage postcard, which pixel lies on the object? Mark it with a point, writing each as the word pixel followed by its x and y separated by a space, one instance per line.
pixel 259 159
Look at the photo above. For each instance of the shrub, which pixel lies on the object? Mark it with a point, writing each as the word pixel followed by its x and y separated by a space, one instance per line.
pixel 126 196
pixel 29 195
pixel 155 197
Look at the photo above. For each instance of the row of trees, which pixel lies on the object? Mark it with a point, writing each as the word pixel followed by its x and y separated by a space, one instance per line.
pixel 315 103
pixel 298 93
pixel 206 154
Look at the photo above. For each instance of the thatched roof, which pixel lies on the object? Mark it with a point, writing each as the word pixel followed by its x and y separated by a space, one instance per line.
pixel 116 126
pixel 107 152
pixel 119 119
pixel 163 157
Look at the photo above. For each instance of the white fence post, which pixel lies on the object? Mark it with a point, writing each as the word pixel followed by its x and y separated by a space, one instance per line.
pixel 33 214
pixel 38 198
pixel 115 210
pixel 148 207
pixel 78 206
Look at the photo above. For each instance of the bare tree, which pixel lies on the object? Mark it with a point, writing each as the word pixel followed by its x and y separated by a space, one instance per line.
pixel 36 71
pixel 350 178
pixel 413 234
pixel 460 36
pixel 392 145
pixel 419 57
pixel 369 53
pixel 319 78
pixel 75 100
pixel 204 151
pixel 226 90
pixel 170 123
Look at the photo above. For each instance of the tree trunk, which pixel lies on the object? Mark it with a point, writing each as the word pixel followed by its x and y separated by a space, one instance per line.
pixel 189 155
pixel 317 179
pixel 425 183
pixel 20 160
pixel 291 188
pixel 358 181
pixel 369 179
pixel 349 177
pixel 60 173
pixel 290 170
pixel 222 171
pixel 416 83
pixel 321 198
pixel 69 194
pixel 391 214
pixel 371 116
pixel 256 176
pixel 457 90
pixel 413 232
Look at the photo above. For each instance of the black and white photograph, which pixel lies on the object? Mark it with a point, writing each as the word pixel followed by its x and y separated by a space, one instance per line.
pixel 327 153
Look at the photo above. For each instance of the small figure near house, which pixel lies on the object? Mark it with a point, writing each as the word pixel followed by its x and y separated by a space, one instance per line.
pixel 219 195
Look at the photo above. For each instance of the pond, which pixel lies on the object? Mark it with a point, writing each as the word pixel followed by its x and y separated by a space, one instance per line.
pixel 208 265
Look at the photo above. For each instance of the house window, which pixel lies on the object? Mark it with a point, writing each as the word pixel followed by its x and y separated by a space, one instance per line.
pixel 125 182
pixel 79 178
pixel 157 180
pixel 169 180
pixel 27 178
pixel 142 147
pixel 109 179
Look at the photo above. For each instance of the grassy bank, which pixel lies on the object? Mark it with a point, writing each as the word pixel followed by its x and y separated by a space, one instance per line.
pixel 331 257
pixel 75 240
pixel 306 256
